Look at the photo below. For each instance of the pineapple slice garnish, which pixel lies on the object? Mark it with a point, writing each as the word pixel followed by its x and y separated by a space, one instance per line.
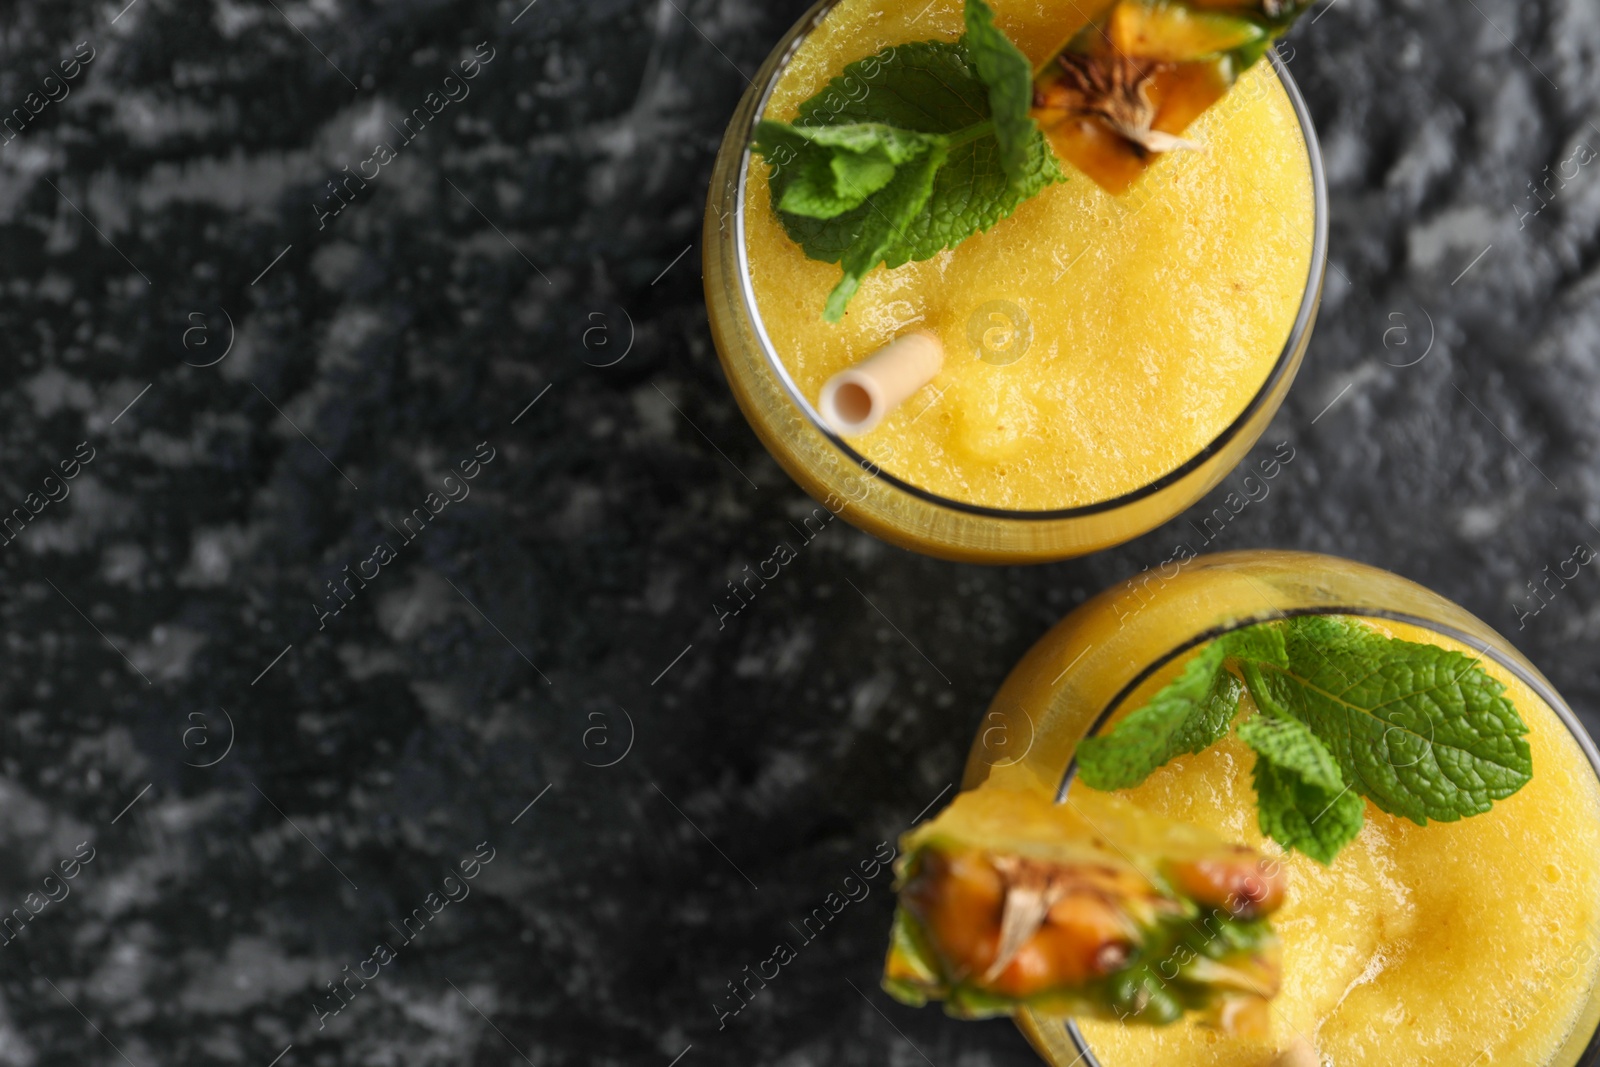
pixel 1092 909
pixel 1129 83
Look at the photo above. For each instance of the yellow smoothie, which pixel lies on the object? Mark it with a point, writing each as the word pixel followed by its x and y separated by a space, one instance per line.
pixel 1153 318
pixel 1465 944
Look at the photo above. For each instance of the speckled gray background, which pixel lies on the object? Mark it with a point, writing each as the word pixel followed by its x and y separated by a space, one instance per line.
pixel 168 207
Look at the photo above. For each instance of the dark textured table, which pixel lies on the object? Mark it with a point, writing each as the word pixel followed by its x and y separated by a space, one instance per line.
pixel 399 505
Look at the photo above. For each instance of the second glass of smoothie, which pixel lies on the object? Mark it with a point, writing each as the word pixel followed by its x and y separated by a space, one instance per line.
pixel 1457 944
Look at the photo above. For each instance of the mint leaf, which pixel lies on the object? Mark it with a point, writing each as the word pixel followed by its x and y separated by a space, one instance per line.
pixel 1262 643
pixel 1009 77
pixel 1421 731
pixel 833 169
pixel 1304 817
pixel 827 193
pixel 929 87
pixel 1303 801
pixel 1290 744
pixel 890 211
pixel 1188 715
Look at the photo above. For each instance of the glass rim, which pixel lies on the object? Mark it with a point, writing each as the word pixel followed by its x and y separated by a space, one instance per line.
pixel 1520 671
pixel 1304 316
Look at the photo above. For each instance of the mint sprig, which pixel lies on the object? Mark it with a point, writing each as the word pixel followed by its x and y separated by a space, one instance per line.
pixel 1192 713
pixel 837 167
pixel 908 153
pixel 1301 795
pixel 1343 713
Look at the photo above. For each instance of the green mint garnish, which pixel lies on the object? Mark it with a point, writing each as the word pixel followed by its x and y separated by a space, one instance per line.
pixel 1301 796
pixel 835 168
pixel 1421 731
pixel 908 153
pixel 1009 76
pixel 1189 715
pixel 1343 712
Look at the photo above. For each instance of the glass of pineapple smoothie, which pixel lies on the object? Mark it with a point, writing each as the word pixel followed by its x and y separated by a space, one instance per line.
pixel 1458 943
pixel 1109 356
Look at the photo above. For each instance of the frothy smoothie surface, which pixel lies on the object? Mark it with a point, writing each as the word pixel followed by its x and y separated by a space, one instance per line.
pixel 1155 317
pixel 1455 944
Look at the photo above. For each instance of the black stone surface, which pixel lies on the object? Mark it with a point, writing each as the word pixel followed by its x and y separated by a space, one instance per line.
pixel 560 616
